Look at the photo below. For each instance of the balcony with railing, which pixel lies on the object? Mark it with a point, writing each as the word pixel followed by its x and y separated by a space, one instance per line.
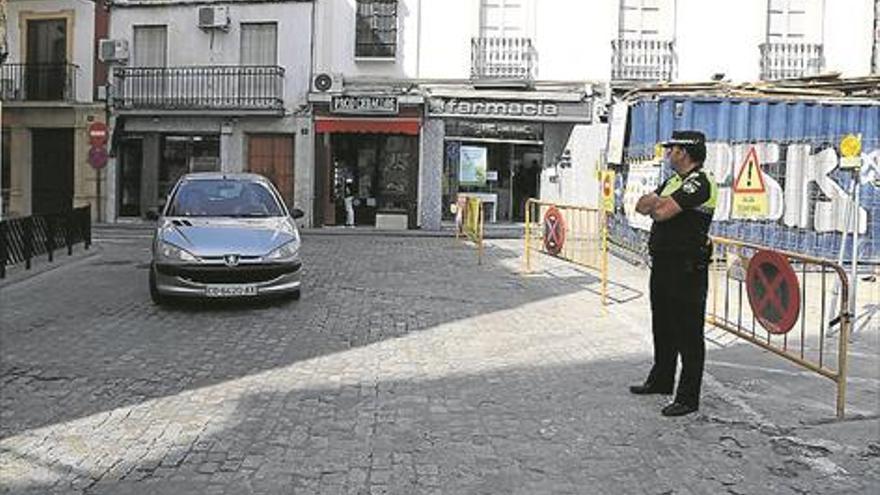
pixel 790 60
pixel 38 82
pixel 226 88
pixel 642 60
pixel 503 58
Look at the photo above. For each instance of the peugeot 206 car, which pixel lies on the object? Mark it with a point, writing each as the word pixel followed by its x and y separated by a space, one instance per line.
pixel 225 235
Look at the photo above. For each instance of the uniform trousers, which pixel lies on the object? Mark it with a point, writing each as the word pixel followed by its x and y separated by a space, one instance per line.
pixel 678 308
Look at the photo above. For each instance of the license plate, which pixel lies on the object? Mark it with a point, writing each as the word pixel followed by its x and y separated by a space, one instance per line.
pixel 230 290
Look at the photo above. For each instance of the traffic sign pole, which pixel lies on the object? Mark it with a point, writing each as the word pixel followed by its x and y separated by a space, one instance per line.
pixel 98 191
pixel 855 246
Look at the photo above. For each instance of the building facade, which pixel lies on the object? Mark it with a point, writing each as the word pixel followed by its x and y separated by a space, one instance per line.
pixel 427 101
pixel 417 102
pixel 208 86
pixel 47 88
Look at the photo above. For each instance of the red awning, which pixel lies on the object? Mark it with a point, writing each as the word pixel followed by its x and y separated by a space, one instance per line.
pixel 368 126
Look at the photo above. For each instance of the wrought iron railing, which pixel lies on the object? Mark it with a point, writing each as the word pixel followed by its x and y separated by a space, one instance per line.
pixel 642 60
pixel 790 60
pixel 23 238
pixel 38 82
pixel 199 88
pixel 503 58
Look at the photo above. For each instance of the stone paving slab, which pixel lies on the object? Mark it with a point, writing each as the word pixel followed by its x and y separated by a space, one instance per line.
pixel 406 368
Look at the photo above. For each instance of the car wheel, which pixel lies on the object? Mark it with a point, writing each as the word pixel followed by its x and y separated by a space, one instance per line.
pixel 295 295
pixel 158 299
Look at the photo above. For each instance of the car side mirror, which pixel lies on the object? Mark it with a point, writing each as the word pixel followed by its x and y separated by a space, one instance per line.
pixel 152 214
pixel 297 213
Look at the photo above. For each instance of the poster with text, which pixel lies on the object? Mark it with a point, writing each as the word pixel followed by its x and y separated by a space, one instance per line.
pixel 472 166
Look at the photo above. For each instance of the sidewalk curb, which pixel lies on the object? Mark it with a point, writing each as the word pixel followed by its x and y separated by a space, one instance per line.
pixel 17 274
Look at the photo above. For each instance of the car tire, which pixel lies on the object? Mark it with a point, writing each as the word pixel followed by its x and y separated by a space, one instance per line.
pixel 295 295
pixel 158 299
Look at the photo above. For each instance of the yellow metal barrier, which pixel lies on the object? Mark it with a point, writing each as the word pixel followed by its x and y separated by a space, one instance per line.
pixel 469 223
pixel 577 234
pixel 779 301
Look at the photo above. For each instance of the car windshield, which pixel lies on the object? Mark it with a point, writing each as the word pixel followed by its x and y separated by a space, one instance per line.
pixel 224 198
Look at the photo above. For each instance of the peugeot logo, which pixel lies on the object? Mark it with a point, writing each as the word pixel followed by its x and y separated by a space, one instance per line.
pixel 231 260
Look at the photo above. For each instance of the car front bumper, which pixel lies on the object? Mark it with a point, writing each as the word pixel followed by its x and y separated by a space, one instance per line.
pixel 193 280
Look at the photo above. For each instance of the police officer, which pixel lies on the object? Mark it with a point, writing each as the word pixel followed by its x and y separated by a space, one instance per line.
pixel 682 209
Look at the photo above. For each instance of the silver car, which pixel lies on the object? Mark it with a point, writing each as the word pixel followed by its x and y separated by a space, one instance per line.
pixel 225 235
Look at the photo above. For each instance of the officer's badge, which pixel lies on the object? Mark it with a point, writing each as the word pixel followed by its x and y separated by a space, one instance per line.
pixel 690 187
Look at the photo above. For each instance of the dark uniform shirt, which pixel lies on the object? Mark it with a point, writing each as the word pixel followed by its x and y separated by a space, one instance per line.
pixel 685 235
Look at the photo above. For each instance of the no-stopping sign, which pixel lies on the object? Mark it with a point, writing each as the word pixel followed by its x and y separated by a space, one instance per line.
pixel 554 231
pixel 774 292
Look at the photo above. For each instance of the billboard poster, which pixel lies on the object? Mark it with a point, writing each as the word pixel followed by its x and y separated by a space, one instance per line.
pixel 472 166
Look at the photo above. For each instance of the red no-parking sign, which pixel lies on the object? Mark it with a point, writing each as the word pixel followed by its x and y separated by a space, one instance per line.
pixel 554 231
pixel 98 134
pixel 774 292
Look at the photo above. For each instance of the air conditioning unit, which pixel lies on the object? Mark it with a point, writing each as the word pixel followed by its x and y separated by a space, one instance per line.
pixel 327 83
pixel 214 17
pixel 113 50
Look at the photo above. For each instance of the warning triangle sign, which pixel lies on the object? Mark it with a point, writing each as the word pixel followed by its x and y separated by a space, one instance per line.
pixel 750 178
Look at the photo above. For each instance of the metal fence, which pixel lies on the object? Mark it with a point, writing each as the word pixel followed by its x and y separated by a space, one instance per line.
pixel 503 58
pixel 469 222
pixel 782 302
pixel 38 82
pixel 569 232
pixel 642 60
pixel 24 238
pixel 199 88
pixel 790 60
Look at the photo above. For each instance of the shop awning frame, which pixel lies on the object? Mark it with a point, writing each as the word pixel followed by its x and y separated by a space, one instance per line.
pixel 361 125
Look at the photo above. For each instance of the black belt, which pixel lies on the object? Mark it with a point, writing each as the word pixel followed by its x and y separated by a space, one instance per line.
pixel 684 262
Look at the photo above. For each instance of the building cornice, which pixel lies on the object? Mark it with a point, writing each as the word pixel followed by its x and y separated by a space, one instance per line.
pixel 174 3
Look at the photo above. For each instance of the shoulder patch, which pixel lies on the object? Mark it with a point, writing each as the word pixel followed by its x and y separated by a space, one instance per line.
pixel 690 187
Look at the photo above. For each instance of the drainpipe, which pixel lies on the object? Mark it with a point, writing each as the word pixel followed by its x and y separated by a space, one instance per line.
pixel 419 42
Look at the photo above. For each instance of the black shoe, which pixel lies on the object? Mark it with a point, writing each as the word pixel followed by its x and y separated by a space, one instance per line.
pixel 650 388
pixel 678 409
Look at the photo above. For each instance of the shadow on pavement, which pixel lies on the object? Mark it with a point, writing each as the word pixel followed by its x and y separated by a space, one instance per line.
pixel 519 430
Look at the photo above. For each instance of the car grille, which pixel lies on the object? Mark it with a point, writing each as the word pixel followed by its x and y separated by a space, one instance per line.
pixel 243 274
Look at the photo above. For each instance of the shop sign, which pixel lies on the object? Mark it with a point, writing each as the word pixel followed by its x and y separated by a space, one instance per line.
pixel 365 105
pixel 498 130
pixel 493 108
pixel 510 109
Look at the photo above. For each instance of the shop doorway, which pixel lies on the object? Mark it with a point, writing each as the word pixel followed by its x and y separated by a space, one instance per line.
pixel 272 156
pixel 52 162
pixel 182 154
pixel 503 174
pixel 526 179
pixel 383 170
pixel 131 158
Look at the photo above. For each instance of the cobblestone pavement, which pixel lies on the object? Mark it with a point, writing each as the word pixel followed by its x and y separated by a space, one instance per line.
pixel 406 368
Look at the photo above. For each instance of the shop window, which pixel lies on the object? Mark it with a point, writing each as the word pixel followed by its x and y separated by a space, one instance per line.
pixel 383 170
pixel 376 30
pixel 184 154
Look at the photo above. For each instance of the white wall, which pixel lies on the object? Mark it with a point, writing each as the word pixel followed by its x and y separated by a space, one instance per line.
pixel 578 184
pixel 83 32
pixel 189 45
pixel 573 39
pixel 720 37
pixel 335 40
pixel 849 36
pixel 447 29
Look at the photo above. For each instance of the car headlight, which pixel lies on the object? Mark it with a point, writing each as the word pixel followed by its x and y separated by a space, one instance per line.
pixel 173 253
pixel 285 252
